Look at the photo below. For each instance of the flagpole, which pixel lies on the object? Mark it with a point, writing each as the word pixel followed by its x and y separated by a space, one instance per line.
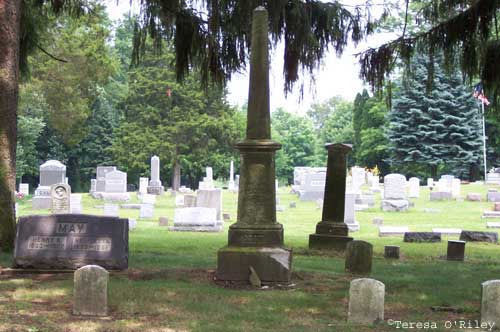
pixel 484 142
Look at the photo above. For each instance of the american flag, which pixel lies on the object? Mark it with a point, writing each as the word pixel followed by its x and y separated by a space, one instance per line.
pixel 479 94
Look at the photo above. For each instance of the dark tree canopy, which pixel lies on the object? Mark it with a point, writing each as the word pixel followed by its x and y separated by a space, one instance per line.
pixel 465 31
pixel 215 34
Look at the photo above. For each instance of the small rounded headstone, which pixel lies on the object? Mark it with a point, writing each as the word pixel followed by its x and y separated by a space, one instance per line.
pixel 366 301
pixel 226 216
pixel 163 221
pixel 456 250
pixel 358 257
pixel 496 207
pixel 293 205
pixel 378 221
pixel 391 252
pixel 90 291
pixel 490 304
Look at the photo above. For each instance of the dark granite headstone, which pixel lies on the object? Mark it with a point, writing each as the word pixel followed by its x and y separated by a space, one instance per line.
pixel 456 250
pixel 391 252
pixel 70 241
pixel 471 236
pixel 358 257
pixel 422 237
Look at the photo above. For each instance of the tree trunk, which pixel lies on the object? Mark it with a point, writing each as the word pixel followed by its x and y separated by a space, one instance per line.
pixel 176 176
pixel 10 14
pixel 434 171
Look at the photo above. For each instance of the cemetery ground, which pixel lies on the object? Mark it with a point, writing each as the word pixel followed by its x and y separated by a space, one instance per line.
pixel 170 282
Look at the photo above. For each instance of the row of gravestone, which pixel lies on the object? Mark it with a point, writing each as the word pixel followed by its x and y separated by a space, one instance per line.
pixel 366 298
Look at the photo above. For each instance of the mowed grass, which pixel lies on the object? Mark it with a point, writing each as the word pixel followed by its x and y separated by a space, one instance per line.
pixel 170 286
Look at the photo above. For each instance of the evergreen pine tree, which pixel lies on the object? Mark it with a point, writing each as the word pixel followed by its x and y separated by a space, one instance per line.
pixel 437 130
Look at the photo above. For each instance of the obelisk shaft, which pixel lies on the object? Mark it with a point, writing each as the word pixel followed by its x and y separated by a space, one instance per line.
pixel 256 222
pixel 258 116
pixel 334 199
pixel 255 241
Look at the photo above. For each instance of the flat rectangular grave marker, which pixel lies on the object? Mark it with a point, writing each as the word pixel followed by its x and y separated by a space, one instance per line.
pixel 70 241
pixel 447 231
pixel 492 224
pixel 392 230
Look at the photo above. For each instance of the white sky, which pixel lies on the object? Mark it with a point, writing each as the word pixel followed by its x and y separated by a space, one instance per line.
pixel 336 76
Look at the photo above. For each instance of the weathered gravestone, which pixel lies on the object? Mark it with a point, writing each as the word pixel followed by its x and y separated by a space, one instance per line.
pixel 115 187
pixel 392 230
pixel 75 203
pixel 349 212
pixel 143 185
pixel 313 186
pixel 111 210
pixel 24 188
pixel 256 239
pixel 210 198
pixel 440 195
pixel 69 241
pixel 60 194
pixel 414 187
pixel 90 291
pixel 101 172
pixel 490 303
pixel 395 193
pixel 366 301
pixel 155 187
pixel 455 188
pixel 455 250
pixel 146 211
pixel 163 221
pixel 358 179
pixel 51 172
pixel 231 186
pixel 473 236
pixel 473 197
pixel 189 200
pixel 196 219
pixel 332 231
pixel 422 237
pixel 358 257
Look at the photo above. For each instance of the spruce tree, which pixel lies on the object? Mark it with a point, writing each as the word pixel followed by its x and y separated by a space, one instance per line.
pixel 436 130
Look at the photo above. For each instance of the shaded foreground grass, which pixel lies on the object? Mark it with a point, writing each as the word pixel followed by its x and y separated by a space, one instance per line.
pixel 170 284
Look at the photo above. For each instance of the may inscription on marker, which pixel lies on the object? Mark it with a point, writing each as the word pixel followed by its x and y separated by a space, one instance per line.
pixel 70 241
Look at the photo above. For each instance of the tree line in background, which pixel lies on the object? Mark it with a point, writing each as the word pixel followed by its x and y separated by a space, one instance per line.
pixel 91 108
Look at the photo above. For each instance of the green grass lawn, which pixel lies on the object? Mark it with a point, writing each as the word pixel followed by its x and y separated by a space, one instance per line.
pixel 170 284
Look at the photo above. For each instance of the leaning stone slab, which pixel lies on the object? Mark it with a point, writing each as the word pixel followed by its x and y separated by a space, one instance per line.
pixel 70 241
pixel 366 301
pixel 90 292
pixel 472 236
pixel 358 257
pixel 490 303
pixel 392 230
pixel 422 237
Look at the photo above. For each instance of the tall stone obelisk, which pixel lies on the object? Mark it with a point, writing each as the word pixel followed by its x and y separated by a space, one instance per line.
pixel 331 231
pixel 256 239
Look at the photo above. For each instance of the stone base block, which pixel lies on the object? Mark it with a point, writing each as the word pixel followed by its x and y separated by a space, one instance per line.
pixel 270 264
pixel 325 241
pixel 111 197
pixel 156 190
pixel 311 195
pixel 41 202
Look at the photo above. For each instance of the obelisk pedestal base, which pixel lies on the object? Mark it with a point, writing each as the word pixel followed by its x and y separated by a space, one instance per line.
pixel 330 236
pixel 271 264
